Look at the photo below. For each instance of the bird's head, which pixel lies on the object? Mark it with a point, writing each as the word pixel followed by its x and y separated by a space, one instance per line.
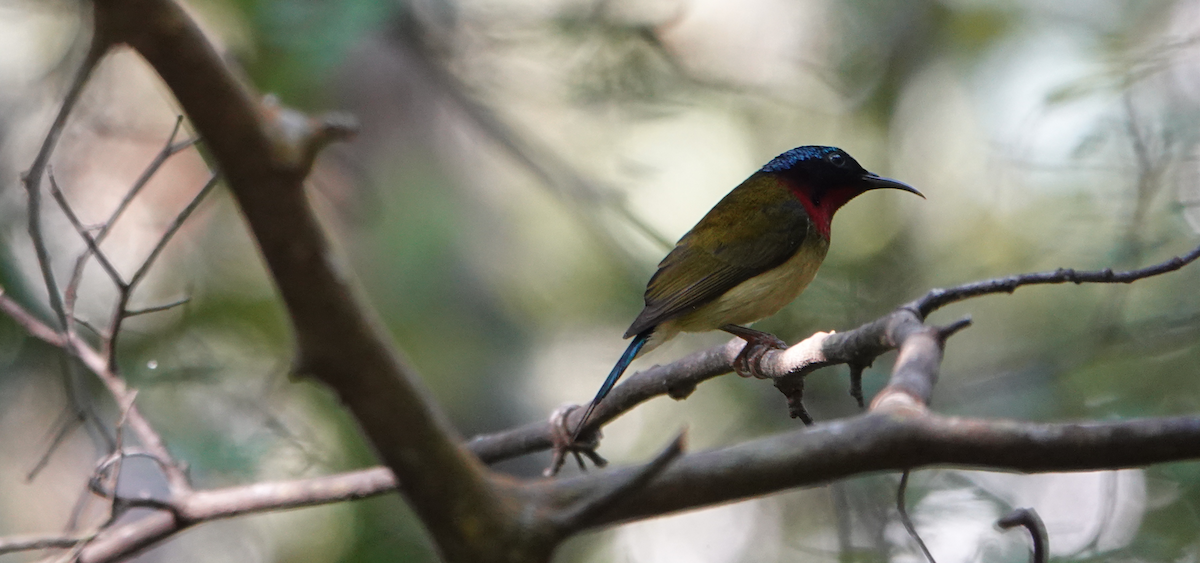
pixel 824 179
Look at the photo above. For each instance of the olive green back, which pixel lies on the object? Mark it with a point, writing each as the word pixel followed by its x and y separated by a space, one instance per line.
pixel 756 227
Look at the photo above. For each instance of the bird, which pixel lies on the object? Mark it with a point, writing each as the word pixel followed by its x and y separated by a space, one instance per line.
pixel 748 257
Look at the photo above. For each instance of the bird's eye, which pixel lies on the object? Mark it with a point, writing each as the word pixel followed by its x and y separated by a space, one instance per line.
pixel 837 159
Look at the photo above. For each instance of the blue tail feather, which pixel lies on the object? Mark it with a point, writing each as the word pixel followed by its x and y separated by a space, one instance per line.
pixel 630 353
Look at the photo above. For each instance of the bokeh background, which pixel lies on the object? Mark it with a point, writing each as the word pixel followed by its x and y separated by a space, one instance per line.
pixel 522 166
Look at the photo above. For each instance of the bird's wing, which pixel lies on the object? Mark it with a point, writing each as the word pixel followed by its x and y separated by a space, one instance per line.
pixel 758 226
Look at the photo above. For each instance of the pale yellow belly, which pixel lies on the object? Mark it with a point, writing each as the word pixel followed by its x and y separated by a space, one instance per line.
pixel 758 297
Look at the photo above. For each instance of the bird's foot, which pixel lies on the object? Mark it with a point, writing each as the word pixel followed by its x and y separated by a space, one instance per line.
pixel 563 443
pixel 758 343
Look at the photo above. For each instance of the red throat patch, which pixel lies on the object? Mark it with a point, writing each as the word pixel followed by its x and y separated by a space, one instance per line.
pixel 822 212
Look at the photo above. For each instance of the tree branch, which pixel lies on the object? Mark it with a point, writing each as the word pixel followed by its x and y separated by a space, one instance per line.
pixel 32 179
pixel 14 544
pixel 938 298
pixel 204 506
pixel 264 152
pixel 857 347
pixel 1028 518
pixel 902 510
pixel 883 441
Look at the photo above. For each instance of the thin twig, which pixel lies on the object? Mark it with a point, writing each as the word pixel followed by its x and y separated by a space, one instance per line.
pixel 92 245
pixel 15 544
pixel 551 170
pixel 157 308
pixel 67 421
pixel 32 180
pixel 149 438
pixel 119 312
pixel 938 298
pixel 34 326
pixel 575 517
pixel 126 403
pixel 91 328
pixel 33 177
pixel 173 228
pixel 177 478
pixel 170 148
pixel 1029 519
pixel 904 519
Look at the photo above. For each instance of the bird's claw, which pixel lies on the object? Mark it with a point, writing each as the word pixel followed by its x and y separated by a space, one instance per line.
pixel 748 362
pixel 562 443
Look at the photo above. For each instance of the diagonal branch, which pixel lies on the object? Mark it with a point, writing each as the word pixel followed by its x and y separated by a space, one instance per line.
pixel 120 312
pixel 264 153
pixel 92 245
pixel 150 439
pixel 172 229
pixel 33 543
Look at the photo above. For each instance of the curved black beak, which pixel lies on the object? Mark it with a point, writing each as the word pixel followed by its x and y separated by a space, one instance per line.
pixel 875 181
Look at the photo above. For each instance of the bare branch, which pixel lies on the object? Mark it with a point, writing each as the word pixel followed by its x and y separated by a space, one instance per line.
pixel 172 229
pixel 32 180
pixel 898 433
pixel 205 506
pixel 575 517
pixel 30 323
pixel 855 347
pixel 938 298
pixel 158 308
pixel 14 544
pixel 882 441
pixel 126 292
pixel 33 177
pixel 149 438
pixel 67 421
pixel 902 510
pixel 338 341
pixel 84 232
pixel 1028 518
pixel 170 148
pixel 677 379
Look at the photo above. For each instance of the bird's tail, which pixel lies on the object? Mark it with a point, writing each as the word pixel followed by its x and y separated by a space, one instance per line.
pixel 630 353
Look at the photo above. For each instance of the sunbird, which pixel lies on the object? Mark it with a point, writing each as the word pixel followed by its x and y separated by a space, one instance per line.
pixel 753 253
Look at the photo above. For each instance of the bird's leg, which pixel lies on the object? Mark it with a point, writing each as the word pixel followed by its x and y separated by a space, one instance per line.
pixel 758 343
pixel 563 442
